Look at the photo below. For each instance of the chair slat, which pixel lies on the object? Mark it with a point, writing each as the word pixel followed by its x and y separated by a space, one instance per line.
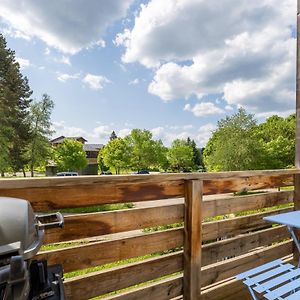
pixel 295 296
pixel 259 269
pixel 275 294
pixel 277 281
pixel 266 275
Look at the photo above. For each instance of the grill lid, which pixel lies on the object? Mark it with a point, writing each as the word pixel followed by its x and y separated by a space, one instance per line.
pixel 18 223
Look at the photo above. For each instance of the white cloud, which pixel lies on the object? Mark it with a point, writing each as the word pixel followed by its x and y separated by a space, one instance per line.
pixel 241 49
pixel 101 133
pixel 11 32
pixel 123 132
pixel 204 133
pixel 63 60
pixel 67 26
pixel 134 81
pixel 203 109
pixel 23 62
pixel 95 82
pixel 47 51
pixel 61 128
pixel 65 77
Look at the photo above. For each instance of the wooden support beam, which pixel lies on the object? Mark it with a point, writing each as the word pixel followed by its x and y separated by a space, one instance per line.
pixel 297 149
pixel 192 240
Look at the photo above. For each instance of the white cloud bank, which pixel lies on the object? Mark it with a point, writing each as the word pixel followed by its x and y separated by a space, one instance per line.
pixel 101 133
pixel 240 49
pixel 95 82
pixel 66 25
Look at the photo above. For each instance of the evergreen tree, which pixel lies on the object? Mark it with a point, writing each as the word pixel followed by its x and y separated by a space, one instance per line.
pixel 14 108
pixel 197 156
pixel 39 149
pixel 113 136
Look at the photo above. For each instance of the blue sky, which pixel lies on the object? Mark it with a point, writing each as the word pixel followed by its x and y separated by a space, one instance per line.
pixel 174 67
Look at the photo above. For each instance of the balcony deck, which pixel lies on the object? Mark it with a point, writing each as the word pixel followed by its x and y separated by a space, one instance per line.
pixel 197 260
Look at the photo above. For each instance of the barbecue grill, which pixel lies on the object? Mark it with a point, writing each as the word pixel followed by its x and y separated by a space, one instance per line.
pixel 21 236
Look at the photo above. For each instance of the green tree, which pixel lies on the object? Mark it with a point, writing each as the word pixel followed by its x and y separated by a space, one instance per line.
pixel 116 154
pixel 197 156
pixel 100 160
pixel 278 137
pixel 39 149
pixel 70 156
pixel 113 136
pixel 14 102
pixel 180 155
pixel 144 151
pixel 234 145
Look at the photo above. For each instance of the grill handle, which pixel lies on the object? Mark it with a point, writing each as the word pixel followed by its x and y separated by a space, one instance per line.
pixel 50 221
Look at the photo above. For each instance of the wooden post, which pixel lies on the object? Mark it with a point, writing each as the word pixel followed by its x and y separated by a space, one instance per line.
pixel 297 153
pixel 192 240
pixel 297 150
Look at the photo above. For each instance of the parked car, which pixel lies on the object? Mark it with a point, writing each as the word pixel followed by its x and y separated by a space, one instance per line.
pixel 141 172
pixel 67 174
pixel 106 173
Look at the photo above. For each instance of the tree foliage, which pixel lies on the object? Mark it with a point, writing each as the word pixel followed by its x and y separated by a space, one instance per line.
pixel 39 150
pixel 113 136
pixel 144 151
pixel 15 100
pixel 70 156
pixel 277 135
pixel 197 155
pixel 180 155
pixel 14 110
pixel 234 145
pixel 115 154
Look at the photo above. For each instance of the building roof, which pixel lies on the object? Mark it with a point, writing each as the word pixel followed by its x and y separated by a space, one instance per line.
pixel 92 147
pixel 60 139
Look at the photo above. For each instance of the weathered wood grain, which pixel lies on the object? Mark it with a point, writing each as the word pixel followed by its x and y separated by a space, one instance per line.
pixel 163 290
pixel 228 268
pixel 214 252
pixel 135 179
pixel 96 224
pixel 94 254
pixel 50 198
pixel 216 273
pixel 55 193
pixel 248 183
pixel 192 239
pixel 103 282
pixel 216 207
pixel 238 225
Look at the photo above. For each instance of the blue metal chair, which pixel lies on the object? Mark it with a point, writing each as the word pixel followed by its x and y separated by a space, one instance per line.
pixel 275 280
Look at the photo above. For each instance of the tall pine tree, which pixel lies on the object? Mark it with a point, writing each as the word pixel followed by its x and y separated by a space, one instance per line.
pixel 14 109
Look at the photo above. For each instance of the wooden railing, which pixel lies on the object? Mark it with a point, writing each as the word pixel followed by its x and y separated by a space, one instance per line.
pixel 213 251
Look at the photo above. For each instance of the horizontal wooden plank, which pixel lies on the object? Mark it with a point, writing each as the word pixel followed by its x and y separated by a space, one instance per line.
pixel 96 224
pixel 103 282
pixel 230 289
pixel 214 273
pixel 50 198
pixel 135 179
pixel 233 226
pixel 94 254
pixel 217 207
pixel 249 183
pixel 163 290
pixel 55 193
pixel 229 268
pixel 102 223
pixel 214 252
